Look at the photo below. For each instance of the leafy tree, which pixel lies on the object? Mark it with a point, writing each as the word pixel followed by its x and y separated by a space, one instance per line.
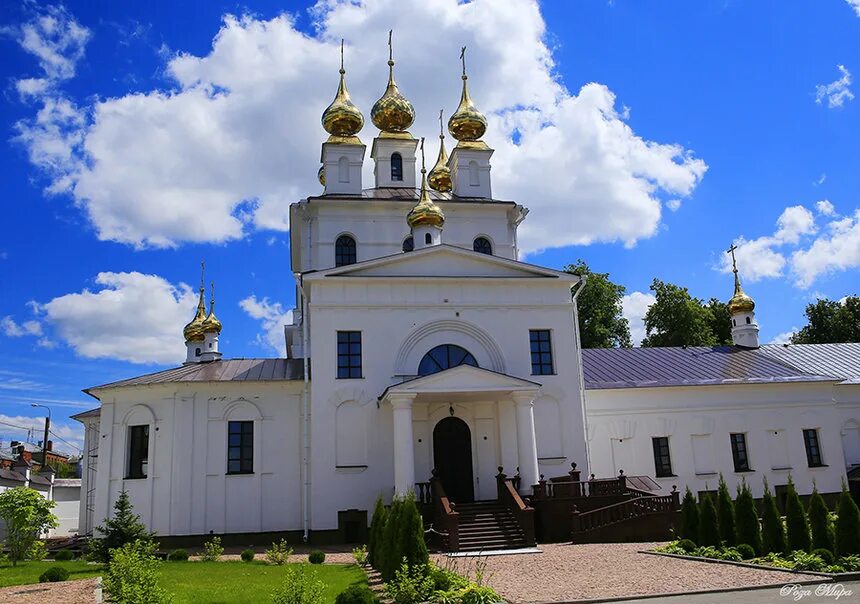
pixel 132 575
pixel 847 525
pixel 746 519
pixel 773 531
pixel 709 525
pixel 830 321
pixel 375 546
pixel 27 515
pixel 601 322
pixel 819 522
pixel 689 517
pixel 720 321
pixel 410 534
pixel 726 513
pixel 125 527
pixel 677 319
pixel 796 523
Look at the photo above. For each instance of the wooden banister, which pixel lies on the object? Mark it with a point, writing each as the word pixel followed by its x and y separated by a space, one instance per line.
pixel 510 497
pixel 446 518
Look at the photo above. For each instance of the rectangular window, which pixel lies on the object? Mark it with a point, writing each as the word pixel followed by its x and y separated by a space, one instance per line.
pixel 813 449
pixel 662 460
pixel 348 354
pixel 138 451
pixel 541 349
pixel 739 452
pixel 240 447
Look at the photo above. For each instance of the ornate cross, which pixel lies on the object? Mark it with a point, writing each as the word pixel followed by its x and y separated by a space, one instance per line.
pixel 390 47
pixel 422 154
pixel 463 58
pixel 731 251
pixel 341 54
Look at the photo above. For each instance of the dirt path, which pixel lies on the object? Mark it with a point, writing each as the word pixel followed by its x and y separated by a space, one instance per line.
pixel 66 592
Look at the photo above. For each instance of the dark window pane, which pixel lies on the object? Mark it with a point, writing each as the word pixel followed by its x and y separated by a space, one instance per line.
pixel 482 245
pixel 349 354
pixel 396 166
pixel 344 251
pixel 444 357
pixel 240 450
pixel 408 244
pixel 541 352
pixel 138 451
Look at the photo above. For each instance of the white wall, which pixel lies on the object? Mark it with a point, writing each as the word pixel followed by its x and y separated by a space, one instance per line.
pixel 67 510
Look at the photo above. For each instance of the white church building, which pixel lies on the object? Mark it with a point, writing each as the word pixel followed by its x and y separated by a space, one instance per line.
pixel 421 343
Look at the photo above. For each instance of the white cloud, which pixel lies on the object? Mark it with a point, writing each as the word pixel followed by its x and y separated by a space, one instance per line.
pixel 20 427
pixel 837 250
pixel 272 317
pixel 15 330
pixel 132 317
pixel 855 4
pixel 824 207
pixel 794 222
pixel 239 134
pixel 634 307
pixel 836 93
pixel 784 337
pixel 821 179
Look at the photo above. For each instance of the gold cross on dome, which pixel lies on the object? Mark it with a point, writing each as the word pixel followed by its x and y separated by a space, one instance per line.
pixel 463 58
pixel 731 251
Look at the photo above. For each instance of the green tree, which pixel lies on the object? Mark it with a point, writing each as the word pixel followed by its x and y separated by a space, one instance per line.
pixel 601 322
pixel 746 519
pixel 772 529
pixel 819 522
pixel 410 534
pixel 726 513
pixel 796 523
pixel 720 321
pixel 124 527
pixel 26 515
pixel 391 552
pixel 690 517
pixel 830 321
pixel 709 525
pixel 377 529
pixel 677 319
pixel 847 525
pixel 132 575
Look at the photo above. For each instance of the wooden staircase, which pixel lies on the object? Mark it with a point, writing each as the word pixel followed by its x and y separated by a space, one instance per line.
pixel 489 525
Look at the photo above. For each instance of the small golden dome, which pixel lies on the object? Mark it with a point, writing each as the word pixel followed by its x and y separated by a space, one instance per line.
pixel 321 175
pixel 211 324
pixel 342 120
pixel 193 331
pixel 740 302
pixel 425 212
pixel 439 178
pixel 393 112
pixel 467 124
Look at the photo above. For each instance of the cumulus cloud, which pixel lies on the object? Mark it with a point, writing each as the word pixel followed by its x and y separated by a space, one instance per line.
pixel 835 93
pixel 67 437
pixel 784 337
pixel 824 207
pixel 855 4
pixel 836 250
pixel 634 306
pixel 239 132
pixel 12 329
pixel 272 317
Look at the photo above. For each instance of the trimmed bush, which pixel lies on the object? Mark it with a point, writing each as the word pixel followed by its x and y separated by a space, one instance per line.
pixel 746 551
pixel 824 554
pixel 847 525
pixel 773 532
pixel 64 555
pixel 689 517
pixel 279 553
pixel 356 594
pixel 212 550
pixel 248 555
pixel 54 574
pixel 746 519
pixel 796 523
pixel 375 549
pixel 709 528
pixel 687 545
pixel 316 557
pixel 178 555
pixel 725 513
pixel 819 523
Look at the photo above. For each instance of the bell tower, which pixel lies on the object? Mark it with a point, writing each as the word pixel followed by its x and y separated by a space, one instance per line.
pixel 742 310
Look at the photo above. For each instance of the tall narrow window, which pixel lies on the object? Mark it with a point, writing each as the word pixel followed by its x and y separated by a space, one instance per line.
pixel 138 451
pixel 739 452
pixel 482 245
pixel 396 167
pixel 343 170
pixel 662 460
pixel 541 349
pixel 813 448
pixel 348 354
pixel 408 244
pixel 474 179
pixel 344 251
pixel 240 447
pixel 427 239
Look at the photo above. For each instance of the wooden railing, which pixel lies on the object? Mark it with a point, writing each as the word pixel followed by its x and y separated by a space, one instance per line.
pixel 446 518
pixel 423 493
pixel 524 514
pixel 618 512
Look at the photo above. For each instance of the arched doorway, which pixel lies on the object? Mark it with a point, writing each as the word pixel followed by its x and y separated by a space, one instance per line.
pixel 452 456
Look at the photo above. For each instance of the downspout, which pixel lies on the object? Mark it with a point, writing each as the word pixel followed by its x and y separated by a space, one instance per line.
pixel 582 281
pixel 306 416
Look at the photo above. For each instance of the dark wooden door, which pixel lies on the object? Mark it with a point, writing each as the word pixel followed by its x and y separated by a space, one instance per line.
pixel 452 454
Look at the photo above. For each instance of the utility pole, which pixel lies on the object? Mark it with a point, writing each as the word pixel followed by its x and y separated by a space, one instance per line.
pixel 45 439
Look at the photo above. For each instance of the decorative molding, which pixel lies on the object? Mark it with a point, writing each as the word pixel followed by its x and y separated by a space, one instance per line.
pixel 497 359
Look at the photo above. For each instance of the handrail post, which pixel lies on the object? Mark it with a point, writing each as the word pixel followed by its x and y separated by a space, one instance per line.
pixel 500 484
pixel 540 489
pixel 676 502
pixel 576 489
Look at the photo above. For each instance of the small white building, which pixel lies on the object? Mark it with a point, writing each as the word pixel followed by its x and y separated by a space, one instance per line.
pixel 66 492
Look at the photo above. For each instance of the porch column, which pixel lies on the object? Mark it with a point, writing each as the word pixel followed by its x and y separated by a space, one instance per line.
pixel 404 454
pixel 526 441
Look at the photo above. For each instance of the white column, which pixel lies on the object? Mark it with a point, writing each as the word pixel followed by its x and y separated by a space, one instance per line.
pixel 404 454
pixel 526 441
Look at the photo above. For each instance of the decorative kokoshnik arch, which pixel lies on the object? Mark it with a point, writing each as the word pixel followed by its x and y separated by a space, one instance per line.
pixel 445 331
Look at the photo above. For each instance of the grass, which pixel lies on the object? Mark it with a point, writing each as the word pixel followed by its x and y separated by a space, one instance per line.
pixel 28 572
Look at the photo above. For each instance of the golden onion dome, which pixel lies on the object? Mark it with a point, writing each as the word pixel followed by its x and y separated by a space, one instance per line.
pixel 211 324
pixel 740 302
pixel 342 120
pixel 193 331
pixel 321 175
pixel 439 178
pixel 467 124
pixel 392 113
pixel 425 212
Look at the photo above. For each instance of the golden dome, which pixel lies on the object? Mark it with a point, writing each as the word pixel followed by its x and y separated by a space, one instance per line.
pixel 193 331
pixel 740 302
pixel 467 124
pixel 392 113
pixel 342 120
pixel 425 212
pixel 439 178
pixel 321 175
pixel 211 324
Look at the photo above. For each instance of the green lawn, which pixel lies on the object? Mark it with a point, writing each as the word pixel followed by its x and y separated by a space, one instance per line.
pixel 28 572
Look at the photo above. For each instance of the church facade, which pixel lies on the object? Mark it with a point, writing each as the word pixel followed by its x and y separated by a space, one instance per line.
pixel 419 342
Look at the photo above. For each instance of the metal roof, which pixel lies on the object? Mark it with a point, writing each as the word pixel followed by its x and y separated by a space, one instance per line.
pixel 837 360
pixel 225 370
pixel 606 368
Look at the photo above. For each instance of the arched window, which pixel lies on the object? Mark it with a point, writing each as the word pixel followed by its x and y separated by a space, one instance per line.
pixel 444 357
pixel 428 239
pixel 396 166
pixel 408 244
pixel 343 170
pixel 344 251
pixel 482 245
pixel 748 321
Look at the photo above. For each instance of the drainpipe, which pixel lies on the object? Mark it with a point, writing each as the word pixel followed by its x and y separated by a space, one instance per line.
pixel 577 291
pixel 306 416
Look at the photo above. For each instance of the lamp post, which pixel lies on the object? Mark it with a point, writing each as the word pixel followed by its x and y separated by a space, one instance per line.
pixel 45 439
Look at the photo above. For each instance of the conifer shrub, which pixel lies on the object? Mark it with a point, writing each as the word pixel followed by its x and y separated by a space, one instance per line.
pixel 248 555
pixel 725 513
pixel 772 529
pixel 825 554
pixel 125 527
pixel 413 548
pixel 689 517
pixel 847 525
pixel 747 527
pixel 687 545
pixel 316 557
pixel 796 523
pixel 356 594
pixel 389 552
pixel 709 528
pixel 746 551
pixel 54 574
pixel 819 523
pixel 178 555
pixel 64 555
pixel 377 530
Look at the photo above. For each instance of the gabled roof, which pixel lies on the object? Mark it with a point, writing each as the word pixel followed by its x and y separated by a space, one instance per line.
pixel 225 370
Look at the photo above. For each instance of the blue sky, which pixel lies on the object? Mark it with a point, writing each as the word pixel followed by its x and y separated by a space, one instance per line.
pixel 140 137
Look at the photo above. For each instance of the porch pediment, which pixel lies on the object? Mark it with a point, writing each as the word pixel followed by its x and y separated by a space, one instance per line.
pixel 464 381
